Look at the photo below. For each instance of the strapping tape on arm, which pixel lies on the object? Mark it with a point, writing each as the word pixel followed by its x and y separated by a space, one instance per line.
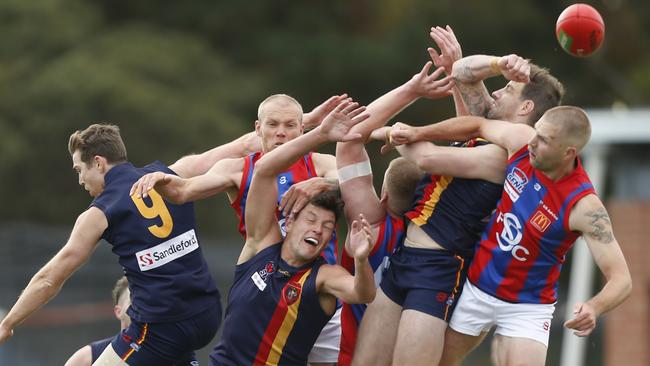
pixel 356 170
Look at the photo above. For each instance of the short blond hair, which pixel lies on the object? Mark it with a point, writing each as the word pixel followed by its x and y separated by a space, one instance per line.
pixel 574 122
pixel 281 99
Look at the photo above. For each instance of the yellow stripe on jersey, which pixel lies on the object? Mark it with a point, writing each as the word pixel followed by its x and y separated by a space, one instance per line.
pixel 433 200
pixel 287 325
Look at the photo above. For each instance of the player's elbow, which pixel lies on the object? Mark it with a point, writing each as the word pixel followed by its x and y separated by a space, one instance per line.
pixel 364 295
pixel 626 284
pixel 456 68
pixel 369 296
pixel 264 167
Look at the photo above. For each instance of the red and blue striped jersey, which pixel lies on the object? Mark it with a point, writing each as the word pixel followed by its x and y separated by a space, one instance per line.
pixel 521 252
pixel 391 234
pixel 454 211
pixel 274 314
pixel 301 170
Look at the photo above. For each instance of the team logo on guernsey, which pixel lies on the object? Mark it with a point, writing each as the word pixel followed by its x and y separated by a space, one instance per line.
pixel 515 182
pixel 259 278
pixel 167 251
pixel 511 235
pixel 540 221
pixel 292 292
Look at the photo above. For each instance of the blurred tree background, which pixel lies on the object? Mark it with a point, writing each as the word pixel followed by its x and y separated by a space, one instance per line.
pixel 180 77
pixel 183 76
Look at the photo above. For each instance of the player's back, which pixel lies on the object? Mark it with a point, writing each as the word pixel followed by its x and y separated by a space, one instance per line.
pixel 454 211
pixel 158 248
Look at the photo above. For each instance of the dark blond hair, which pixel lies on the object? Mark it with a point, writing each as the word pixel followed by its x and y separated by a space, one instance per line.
pixel 120 288
pixel 544 89
pixel 98 139
pixel 401 179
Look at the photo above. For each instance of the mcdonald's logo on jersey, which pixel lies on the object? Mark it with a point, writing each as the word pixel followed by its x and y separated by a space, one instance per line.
pixel 540 221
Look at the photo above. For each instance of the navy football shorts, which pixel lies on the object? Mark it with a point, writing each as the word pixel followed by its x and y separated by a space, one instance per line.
pixel 426 280
pixel 171 343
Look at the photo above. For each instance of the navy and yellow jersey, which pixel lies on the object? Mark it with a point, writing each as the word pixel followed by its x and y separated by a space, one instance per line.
pixel 454 211
pixel 158 249
pixel 274 315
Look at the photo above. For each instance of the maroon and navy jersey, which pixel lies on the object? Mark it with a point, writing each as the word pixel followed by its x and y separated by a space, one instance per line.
pixel 391 234
pixel 274 314
pixel 521 252
pixel 454 211
pixel 158 248
pixel 301 170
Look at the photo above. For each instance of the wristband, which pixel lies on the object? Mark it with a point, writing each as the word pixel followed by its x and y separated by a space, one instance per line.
pixel 494 65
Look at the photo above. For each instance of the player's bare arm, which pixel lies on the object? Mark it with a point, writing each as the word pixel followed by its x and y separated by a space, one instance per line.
pixel 222 177
pixel 510 136
pixel 300 193
pixel 486 162
pixel 425 84
pixel 590 217
pixel 198 164
pixel 469 73
pixel 49 280
pixel 334 281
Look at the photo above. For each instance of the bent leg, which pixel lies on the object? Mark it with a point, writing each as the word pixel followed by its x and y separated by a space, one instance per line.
pixel 109 358
pixel 377 332
pixel 420 338
pixel 515 351
pixel 458 346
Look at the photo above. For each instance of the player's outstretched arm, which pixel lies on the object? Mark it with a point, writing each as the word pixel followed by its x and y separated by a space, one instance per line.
pixel 510 136
pixel 47 282
pixel 469 73
pixel 449 52
pixel 198 164
pixel 180 190
pixel 299 194
pixel 425 84
pixel 261 226
pixel 486 162
pixel 336 281
pixel 314 118
pixel 590 217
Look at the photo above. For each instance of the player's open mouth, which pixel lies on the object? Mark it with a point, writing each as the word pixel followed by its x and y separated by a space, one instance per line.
pixel 311 241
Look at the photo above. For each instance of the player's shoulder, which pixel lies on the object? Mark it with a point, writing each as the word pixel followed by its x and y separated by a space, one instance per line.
pixel 588 203
pixel 585 210
pixel 323 162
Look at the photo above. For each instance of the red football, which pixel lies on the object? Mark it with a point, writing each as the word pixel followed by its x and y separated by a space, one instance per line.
pixel 580 30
